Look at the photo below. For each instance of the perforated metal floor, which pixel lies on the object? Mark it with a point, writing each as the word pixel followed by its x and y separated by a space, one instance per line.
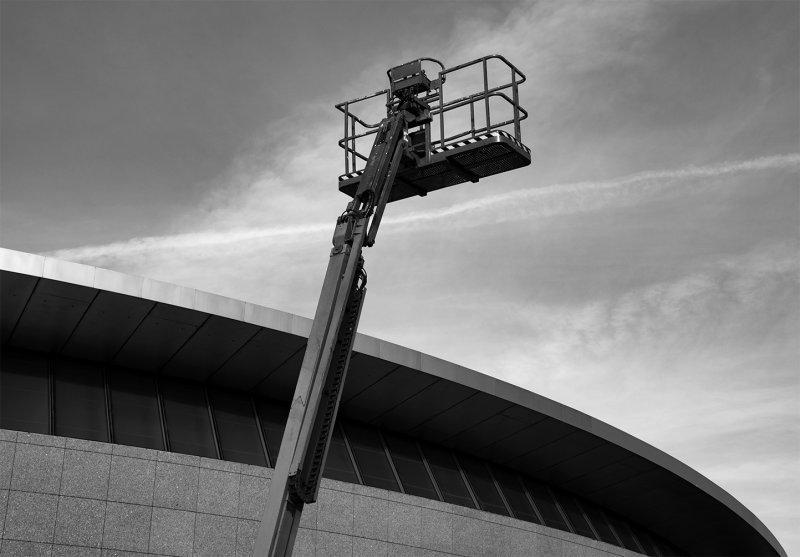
pixel 463 161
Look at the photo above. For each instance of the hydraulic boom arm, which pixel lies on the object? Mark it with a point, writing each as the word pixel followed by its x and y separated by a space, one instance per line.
pixel 301 460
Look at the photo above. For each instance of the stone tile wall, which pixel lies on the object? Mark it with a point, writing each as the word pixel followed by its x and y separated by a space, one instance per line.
pixel 67 497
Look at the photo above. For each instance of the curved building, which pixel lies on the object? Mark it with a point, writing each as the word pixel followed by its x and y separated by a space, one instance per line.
pixel 139 417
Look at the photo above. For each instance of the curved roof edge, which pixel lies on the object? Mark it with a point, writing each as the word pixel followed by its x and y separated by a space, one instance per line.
pixel 198 300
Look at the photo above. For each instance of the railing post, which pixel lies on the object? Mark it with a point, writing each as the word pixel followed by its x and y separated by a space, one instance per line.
pixel 517 130
pixel 441 109
pixel 353 135
pixel 486 95
pixel 346 142
pixel 472 117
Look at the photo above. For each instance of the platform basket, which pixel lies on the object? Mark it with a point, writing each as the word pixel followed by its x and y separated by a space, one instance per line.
pixel 473 152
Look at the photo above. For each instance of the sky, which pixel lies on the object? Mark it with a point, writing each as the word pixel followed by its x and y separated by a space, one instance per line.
pixel 645 269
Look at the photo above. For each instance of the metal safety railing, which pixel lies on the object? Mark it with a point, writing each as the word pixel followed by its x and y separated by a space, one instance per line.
pixel 479 104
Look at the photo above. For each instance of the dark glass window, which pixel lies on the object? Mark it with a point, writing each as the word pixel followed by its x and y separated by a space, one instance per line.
pixel 80 401
pixel 515 495
pixel 186 414
pixel 546 505
pixel 574 513
pixel 24 399
pixel 623 533
pixel 338 464
pixel 134 410
pixel 370 456
pixel 273 421
pixel 646 541
pixel 600 523
pixel 664 548
pixel 410 467
pixel 237 428
pixel 447 476
pixel 669 550
pixel 482 485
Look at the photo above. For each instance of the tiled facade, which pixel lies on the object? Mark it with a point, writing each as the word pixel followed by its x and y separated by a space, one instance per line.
pixel 69 497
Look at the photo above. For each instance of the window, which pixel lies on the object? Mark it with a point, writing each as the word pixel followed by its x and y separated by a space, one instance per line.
pixel 273 417
pixel 482 485
pixel 544 501
pixel 134 410
pixel 574 514
pixel 646 541
pixel 410 467
pixel 370 456
pixel 80 391
pixel 24 392
pixel 237 429
pixel 338 464
pixel 447 475
pixel 623 533
pixel 600 523
pixel 515 495
pixel 80 401
pixel 667 549
pixel 186 415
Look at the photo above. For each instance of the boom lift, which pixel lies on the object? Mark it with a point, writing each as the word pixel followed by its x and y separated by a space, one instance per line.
pixel 405 160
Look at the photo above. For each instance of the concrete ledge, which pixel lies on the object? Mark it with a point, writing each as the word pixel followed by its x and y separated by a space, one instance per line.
pixel 73 497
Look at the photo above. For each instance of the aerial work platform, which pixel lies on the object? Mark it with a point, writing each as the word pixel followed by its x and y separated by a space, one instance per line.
pixel 411 154
pixel 482 145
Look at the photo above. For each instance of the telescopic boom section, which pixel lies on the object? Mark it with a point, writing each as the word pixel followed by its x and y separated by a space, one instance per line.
pixel 304 447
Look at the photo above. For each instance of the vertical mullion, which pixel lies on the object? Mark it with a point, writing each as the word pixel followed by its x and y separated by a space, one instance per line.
pixel 109 414
pixel 214 432
pixel 499 490
pixel 656 547
pixel 466 481
pixel 588 520
pixel 618 535
pixel 559 509
pixel 639 544
pixel 162 416
pixel 428 469
pixel 260 428
pixel 51 397
pixel 536 510
pixel 610 527
pixel 349 453
pixel 391 462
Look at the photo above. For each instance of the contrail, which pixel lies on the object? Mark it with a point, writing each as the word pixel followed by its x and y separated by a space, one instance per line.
pixel 569 194
pixel 187 240
pixel 556 199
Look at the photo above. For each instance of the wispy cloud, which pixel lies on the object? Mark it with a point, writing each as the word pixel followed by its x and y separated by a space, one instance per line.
pixel 731 300
pixel 549 201
pixel 713 313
